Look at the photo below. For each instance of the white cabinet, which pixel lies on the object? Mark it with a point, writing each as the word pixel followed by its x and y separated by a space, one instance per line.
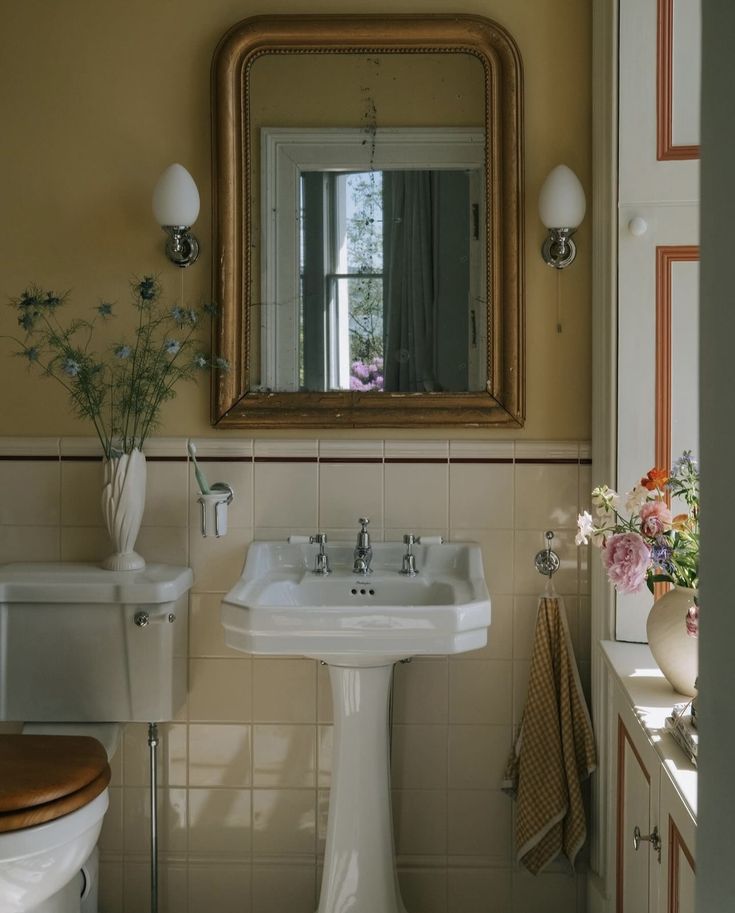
pixel 654 786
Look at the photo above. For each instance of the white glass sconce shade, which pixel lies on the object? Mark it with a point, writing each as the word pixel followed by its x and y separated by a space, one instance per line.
pixel 176 208
pixel 175 197
pixel 562 206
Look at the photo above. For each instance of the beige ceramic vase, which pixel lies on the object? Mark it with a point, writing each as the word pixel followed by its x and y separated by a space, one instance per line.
pixel 675 651
pixel 123 502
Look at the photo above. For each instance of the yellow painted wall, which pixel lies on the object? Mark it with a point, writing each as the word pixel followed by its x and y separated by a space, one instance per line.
pixel 98 97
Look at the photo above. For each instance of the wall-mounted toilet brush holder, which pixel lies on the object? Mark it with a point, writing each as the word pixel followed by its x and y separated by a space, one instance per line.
pixel 214 506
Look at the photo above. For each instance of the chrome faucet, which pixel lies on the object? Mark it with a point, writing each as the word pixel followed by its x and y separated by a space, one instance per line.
pixel 363 553
pixel 321 560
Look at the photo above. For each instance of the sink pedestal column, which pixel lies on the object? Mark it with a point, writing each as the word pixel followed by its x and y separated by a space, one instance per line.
pixel 359 862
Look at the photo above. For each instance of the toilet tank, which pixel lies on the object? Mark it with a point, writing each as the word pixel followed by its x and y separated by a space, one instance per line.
pixel 71 650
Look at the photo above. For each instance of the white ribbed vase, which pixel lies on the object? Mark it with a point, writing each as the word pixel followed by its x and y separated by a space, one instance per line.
pixel 123 502
pixel 675 651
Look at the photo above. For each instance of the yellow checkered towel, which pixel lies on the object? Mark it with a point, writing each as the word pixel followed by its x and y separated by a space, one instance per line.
pixel 554 751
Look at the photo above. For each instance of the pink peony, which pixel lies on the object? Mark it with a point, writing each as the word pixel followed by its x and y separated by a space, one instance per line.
pixel 655 518
pixel 626 558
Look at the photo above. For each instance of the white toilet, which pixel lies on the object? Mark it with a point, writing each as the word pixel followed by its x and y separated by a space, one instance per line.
pixel 78 645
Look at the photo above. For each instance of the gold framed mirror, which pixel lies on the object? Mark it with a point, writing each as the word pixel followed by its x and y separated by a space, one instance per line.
pixel 283 373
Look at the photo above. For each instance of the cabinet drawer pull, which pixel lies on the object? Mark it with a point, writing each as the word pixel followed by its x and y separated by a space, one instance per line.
pixel 653 838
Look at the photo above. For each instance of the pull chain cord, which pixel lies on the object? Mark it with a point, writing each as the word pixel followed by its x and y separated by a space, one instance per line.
pixel 558 301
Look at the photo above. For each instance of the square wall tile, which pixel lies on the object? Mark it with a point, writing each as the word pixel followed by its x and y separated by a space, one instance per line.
pixel 547 496
pixel 419 757
pixel 325 739
pixel 31 490
pixel 279 888
pixel 480 692
pixel 166 502
pixel 424 889
pixel 545 893
pixel 111 836
pixel 85 543
pixel 224 888
pixel 284 822
pixel 217 563
pixel 481 495
pixel 348 491
pixel 420 822
pixel 417 496
pixel 206 634
pixel 284 756
pixel 284 690
pixel 29 543
pixel 164 545
pixel 477 756
pixel 421 692
pixel 480 824
pixel 111 885
pixel 469 890
pixel 286 494
pixel 324 694
pixel 497 555
pixel 171 817
pixel 500 633
pixel 219 823
pixel 81 493
pixel 172 896
pixel 219 755
pixel 171 755
pixel 220 690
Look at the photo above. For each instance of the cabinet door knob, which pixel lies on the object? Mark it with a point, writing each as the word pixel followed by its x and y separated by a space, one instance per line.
pixel 653 838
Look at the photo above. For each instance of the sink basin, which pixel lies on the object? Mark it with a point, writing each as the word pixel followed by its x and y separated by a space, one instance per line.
pixel 279 606
pixel 360 626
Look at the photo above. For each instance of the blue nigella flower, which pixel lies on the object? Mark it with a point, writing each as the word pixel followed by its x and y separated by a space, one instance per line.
pixel 200 360
pixel 177 314
pixel 51 301
pixel 104 309
pixel 27 319
pixel 30 352
pixel 122 351
pixel 210 307
pixel 192 316
pixel 172 346
pixel 70 366
pixel 146 288
pixel 221 364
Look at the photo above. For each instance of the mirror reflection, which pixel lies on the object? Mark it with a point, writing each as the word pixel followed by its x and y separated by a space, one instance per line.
pixel 386 303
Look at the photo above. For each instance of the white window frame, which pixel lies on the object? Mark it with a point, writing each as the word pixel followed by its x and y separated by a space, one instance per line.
pixel 285 153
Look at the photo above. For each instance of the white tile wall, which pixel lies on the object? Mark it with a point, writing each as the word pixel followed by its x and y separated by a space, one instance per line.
pixel 245 768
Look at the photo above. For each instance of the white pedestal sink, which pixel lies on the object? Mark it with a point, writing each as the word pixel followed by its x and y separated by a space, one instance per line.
pixel 360 626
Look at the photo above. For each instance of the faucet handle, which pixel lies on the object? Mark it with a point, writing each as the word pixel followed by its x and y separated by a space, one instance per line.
pixel 364 521
pixel 321 560
pixel 408 566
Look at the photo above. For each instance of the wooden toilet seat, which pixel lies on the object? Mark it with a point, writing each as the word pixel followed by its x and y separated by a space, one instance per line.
pixel 43 777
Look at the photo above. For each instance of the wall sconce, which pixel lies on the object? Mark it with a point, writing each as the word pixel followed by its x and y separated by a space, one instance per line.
pixel 176 207
pixel 561 205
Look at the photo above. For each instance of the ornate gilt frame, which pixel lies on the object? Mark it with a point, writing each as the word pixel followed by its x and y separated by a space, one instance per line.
pixel 233 405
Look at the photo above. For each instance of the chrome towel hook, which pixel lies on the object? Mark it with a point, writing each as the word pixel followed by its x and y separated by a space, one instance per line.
pixel 547 561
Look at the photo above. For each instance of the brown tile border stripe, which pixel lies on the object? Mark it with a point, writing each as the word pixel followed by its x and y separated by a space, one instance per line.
pixel 560 461
pixel 89 458
pixel 416 459
pixel 501 460
pixel 25 458
pixel 351 459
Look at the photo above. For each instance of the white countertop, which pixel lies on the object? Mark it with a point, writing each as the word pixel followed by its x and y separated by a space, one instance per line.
pixel 652 698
